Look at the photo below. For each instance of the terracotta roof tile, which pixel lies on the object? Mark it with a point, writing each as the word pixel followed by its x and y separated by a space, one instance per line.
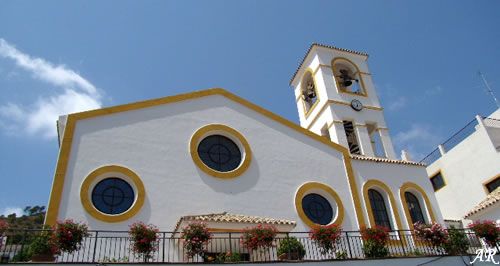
pixel 324 46
pixel 233 218
pixel 384 160
pixel 490 200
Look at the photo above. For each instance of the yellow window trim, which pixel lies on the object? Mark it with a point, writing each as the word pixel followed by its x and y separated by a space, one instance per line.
pixel 301 192
pixel 407 186
pixel 67 143
pixel 363 89
pixel 85 191
pixel 214 128
pixel 393 208
pixel 489 181
pixel 442 176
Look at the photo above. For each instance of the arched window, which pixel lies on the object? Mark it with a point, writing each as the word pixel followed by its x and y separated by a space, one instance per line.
pixel 414 208
pixel 379 209
pixel 347 76
pixel 309 91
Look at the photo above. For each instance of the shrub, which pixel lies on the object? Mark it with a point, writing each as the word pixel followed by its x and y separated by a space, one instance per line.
pixel 69 235
pixel 433 233
pixel 260 236
pixel 3 227
pixel 43 244
pixel 228 257
pixel 326 237
pixel 291 248
pixel 488 230
pixel 196 237
pixel 374 241
pixel 457 243
pixel 144 238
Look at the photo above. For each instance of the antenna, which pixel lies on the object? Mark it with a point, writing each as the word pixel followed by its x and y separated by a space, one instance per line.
pixel 489 89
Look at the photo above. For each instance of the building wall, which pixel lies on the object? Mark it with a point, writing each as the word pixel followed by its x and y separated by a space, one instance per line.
pixel 154 143
pixel 395 176
pixel 465 168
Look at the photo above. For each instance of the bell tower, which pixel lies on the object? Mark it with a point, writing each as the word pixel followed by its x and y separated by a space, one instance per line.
pixel 336 98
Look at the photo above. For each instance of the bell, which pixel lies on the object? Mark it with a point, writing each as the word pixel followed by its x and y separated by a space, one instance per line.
pixel 311 94
pixel 347 83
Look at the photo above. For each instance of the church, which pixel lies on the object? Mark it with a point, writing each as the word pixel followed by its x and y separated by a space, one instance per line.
pixel 212 156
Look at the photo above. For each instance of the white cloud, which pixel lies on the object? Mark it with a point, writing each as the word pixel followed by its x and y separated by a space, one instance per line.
pixel 73 94
pixel 10 210
pixel 399 103
pixel 418 140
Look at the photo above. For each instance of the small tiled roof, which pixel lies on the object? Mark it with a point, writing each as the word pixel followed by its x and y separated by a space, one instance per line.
pixel 324 46
pixel 489 201
pixel 233 218
pixel 384 160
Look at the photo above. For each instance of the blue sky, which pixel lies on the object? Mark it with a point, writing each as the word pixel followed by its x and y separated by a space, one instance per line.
pixel 66 56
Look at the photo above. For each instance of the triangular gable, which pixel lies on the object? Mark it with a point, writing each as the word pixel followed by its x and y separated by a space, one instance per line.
pixel 65 149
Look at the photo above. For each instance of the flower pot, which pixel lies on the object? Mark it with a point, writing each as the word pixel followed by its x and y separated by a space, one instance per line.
pixel 43 258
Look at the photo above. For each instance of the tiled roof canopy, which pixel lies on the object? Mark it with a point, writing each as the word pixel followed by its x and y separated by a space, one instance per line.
pixel 233 218
pixel 324 46
pixel 491 199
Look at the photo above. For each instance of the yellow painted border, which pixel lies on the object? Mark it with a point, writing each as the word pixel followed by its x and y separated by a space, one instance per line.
pixel 90 179
pixel 442 176
pixel 307 113
pixel 363 88
pixel 489 180
pixel 301 192
pixel 67 143
pixel 205 131
pixel 394 208
pixel 409 185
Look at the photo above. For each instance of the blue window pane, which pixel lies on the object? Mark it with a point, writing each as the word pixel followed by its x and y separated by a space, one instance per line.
pixel 379 209
pixel 113 196
pixel 317 209
pixel 219 153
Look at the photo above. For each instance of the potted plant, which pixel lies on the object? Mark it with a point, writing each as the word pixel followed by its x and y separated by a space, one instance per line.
pixel 68 235
pixel 326 237
pixel 43 247
pixel 457 243
pixel 488 230
pixel 290 248
pixel 375 241
pixel 434 233
pixel 260 236
pixel 144 239
pixel 196 237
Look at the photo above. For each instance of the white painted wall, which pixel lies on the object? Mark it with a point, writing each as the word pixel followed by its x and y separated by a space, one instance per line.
pixel 465 168
pixel 154 143
pixel 394 176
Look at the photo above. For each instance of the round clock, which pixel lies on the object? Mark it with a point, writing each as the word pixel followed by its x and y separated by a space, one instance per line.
pixel 356 105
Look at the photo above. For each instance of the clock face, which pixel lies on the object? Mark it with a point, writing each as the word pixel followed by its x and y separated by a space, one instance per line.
pixel 356 105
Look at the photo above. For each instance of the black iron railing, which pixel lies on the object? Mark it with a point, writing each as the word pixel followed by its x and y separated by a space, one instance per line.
pixel 451 142
pixel 115 246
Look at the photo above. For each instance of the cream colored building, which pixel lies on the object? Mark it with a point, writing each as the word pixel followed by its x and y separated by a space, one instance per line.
pixel 465 170
pixel 213 154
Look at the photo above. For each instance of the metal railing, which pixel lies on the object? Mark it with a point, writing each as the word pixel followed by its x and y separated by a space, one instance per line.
pixel 451 142
pixel 115 246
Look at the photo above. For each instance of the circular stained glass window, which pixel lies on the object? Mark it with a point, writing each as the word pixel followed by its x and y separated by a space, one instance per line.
pixel 219 153
pixel 317 209
pixel 113 196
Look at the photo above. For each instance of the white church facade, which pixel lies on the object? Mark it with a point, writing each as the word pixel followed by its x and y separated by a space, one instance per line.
pixel 213 154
